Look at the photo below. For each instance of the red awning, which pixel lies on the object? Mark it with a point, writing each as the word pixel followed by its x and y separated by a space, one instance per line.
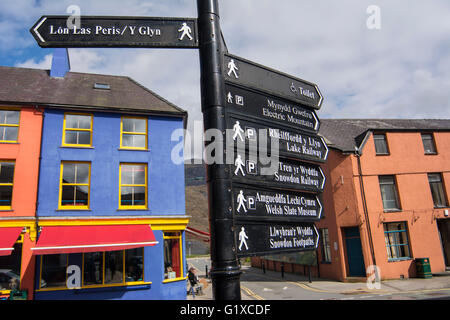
pixel 72 239
pixel 8 236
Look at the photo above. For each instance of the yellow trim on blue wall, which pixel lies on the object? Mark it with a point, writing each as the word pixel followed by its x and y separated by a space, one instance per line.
pixel 64 144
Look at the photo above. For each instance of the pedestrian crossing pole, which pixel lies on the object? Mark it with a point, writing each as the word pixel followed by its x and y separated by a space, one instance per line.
pixel 225 270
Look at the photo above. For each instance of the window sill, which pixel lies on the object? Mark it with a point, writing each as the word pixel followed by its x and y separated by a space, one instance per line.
pixel 400 259
pixel 6 210
pixel 174 280
pixel 77 147
pixel 392 210
pixel 66 210
pixel 131 149
pixel 325 262
pixel 382 154
pixel 431 153
pixel 132 209
pixel 10 142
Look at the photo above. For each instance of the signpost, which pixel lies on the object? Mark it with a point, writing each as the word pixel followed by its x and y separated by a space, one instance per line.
pixel 255 239
pixel 256 203
pixel 93 31
pixel 250 74
pixel 263 106
pixel 289 174
pixel 293 144
pixel 252 210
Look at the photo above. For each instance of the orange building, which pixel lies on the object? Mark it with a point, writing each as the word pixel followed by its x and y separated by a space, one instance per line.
pixel 385 202
pixel 20 141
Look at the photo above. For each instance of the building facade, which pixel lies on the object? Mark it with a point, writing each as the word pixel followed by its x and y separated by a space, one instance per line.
pixel 20 135
pixel 110 210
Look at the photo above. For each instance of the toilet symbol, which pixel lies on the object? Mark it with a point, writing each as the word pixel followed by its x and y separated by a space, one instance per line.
pixel 237 131
pixel 186 31
pixel 232 69
pixel 241 200
pixel 238 163
pixel 243 239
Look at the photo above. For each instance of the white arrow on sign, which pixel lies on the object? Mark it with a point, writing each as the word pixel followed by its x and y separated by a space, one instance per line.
pixel 37 27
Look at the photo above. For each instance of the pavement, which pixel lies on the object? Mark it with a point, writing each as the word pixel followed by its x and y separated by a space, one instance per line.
pixel 318 287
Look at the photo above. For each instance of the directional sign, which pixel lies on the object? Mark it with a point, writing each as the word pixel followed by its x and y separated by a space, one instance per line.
pixel 135 32
pixel 263 106
pixel 250 74
pixel 258 204
pixel 287 174
pixel 291 143
pixel 260 239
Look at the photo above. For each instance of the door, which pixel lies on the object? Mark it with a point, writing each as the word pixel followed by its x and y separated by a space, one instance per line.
pixel 444 232
pixel 355 258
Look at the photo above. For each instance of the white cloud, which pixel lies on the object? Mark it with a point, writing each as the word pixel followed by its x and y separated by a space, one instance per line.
pixel 399 71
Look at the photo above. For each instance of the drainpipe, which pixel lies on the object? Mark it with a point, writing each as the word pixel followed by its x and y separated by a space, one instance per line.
pixel 366 213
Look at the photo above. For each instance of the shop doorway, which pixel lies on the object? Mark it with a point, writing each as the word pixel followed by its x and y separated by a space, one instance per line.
pixel 355 258
pixel 444 232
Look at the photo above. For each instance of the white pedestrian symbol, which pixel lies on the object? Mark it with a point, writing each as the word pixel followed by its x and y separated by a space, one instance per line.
pixel 230 97
pixel 232 68
pixel 241 200
pixel 242 238
pixel 238 163
pixel 186 31
pixel 237 131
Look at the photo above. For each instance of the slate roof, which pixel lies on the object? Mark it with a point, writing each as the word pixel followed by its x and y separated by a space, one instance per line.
pixel 345 134
pixel 35 86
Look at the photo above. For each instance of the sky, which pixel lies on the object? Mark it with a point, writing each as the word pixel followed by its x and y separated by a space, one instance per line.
pixel 390 63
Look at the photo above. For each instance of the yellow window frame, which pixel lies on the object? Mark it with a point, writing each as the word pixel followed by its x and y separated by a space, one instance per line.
pixel 140 207
pixel 3 125
pixel 134 133
pixel 8 184
pixel 65 129
pixel 61 184
pixel 178 237
pixel 123 273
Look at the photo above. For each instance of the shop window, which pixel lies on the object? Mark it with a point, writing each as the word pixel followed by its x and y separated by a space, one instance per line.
pixel 113 267
pixel 74 185
pixel 10 269
pixel 133 133
pixel 173 266
pixel 437 190
pixel 133 186
pixel 325 242
pixel 53 271
pixel 6 184
pixel 428 143
pixel 9 125
pixel 381 147
pixel 77 130
pixel 389 193
pixel 396 238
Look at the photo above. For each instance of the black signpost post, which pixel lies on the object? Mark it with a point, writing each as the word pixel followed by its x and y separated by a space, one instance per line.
pixel 251 212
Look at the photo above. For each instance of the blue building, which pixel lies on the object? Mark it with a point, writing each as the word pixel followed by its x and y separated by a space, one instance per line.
pixel 111 202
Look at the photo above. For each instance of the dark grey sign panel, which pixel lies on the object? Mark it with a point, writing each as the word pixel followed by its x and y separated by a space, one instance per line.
pixel 258 204
pixel 264 238
pixel 277 173
pixel 263 106
pixel 134 32
pixel 291 143
pixel 250 74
